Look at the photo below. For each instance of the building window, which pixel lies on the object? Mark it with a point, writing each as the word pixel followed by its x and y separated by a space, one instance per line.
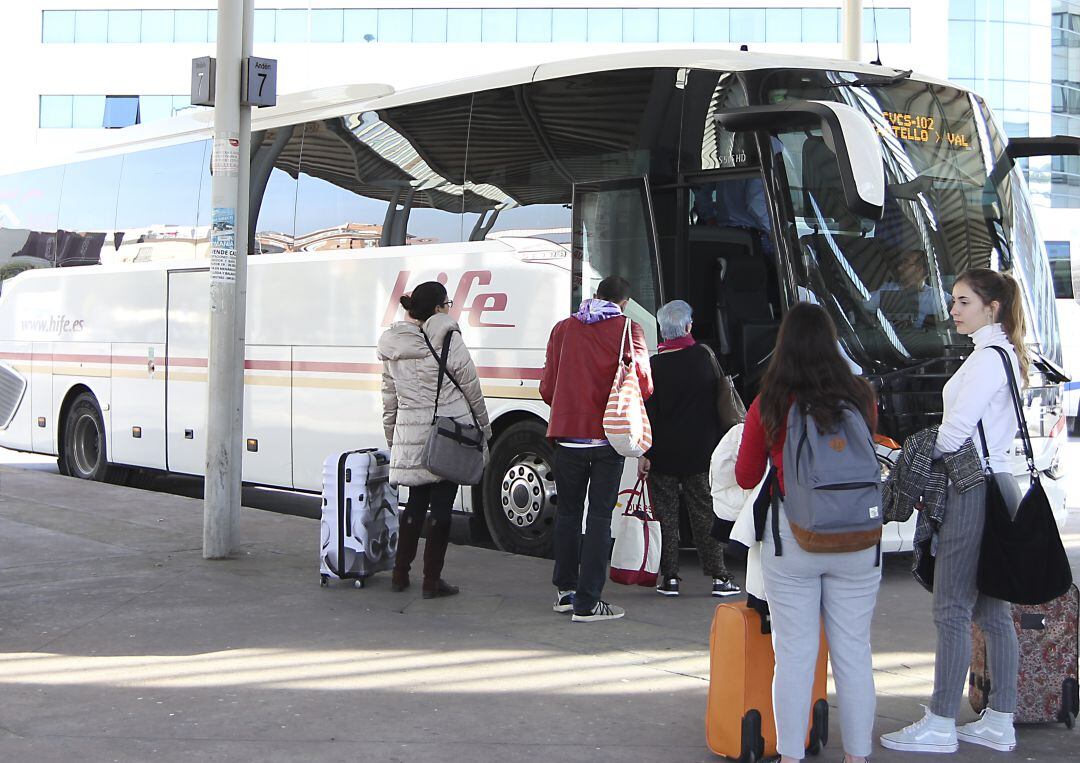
pixel 498 25
pixel 887 25
pixel 605 25
pixel 429 25
pixel 121 111
pixel 156 26
pixel 820 25
pixel 292 25
pixel 569 25
pixel 463 25
pixel 395 25
pixel 534 25
pixel 711 25
pixel 747 25
pixel 91 26
pixel 327 25
pixel 190 26
pixel 58 26
pixel 54 111
pixel 677 25
pixel 125 26
pixel 640 25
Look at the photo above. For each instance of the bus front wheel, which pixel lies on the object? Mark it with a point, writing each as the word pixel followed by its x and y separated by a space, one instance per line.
pixel 84 443
pixel 519 490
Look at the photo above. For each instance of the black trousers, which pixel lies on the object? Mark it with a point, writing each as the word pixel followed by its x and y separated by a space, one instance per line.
pixel 438 497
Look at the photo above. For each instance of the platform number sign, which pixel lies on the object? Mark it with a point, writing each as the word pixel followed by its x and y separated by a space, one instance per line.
pixel 260 82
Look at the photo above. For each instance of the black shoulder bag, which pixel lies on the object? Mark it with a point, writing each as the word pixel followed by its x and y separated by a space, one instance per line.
pixel 1022 559
pixel 453 451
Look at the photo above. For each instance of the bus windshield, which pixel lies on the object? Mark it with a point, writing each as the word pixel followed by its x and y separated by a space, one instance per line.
pixel 948 206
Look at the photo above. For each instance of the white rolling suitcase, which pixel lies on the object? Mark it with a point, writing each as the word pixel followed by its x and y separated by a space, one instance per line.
pixel 359 516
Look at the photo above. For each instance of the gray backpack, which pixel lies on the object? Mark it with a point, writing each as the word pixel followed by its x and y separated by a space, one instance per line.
pixel 832 484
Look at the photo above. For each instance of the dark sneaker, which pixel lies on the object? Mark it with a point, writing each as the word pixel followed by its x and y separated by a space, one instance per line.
pixel 668 587
pixel 564 602
pixel 602 611
pixel 724 587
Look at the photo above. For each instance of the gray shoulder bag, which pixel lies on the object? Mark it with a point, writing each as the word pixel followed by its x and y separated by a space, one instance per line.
pixel 453 451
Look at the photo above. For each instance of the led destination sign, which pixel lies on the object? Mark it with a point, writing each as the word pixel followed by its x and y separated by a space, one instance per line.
pixel 917 128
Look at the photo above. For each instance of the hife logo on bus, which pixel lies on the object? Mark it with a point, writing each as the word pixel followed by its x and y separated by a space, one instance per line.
pixel 487 302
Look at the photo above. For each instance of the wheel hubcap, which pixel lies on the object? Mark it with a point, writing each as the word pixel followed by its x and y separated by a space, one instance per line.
pixel 527 492
pixel 87 442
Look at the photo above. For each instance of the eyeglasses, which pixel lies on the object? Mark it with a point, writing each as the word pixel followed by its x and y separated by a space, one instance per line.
pixel 447 303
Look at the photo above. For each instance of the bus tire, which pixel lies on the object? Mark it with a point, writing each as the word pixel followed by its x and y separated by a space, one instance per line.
pixel 519 490
pixel 84 443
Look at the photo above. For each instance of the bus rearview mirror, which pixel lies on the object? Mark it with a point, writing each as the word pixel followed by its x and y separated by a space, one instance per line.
pixel 846 131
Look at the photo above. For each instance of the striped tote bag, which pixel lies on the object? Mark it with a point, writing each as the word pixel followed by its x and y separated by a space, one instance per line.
pixel 626 424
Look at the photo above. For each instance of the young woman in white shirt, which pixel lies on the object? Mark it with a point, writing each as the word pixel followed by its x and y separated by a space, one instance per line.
pixel 987 306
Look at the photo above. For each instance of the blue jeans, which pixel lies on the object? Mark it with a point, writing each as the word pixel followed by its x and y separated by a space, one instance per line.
pixel 581 561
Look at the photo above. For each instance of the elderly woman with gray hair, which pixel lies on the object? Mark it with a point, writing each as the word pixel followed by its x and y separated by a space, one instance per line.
pixel 686 428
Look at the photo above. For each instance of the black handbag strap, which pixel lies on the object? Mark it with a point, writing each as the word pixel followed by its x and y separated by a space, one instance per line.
pixel 444 369
pixel 1021 420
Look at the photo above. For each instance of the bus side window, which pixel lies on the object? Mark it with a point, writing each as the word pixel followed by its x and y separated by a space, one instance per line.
pixel 87 210
pixel 28 213
pixel 518 193
pixel 274 193
pixel 157 206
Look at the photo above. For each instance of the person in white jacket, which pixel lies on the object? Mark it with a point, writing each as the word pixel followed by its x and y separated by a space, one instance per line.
pixel 987 306
pixel 732 503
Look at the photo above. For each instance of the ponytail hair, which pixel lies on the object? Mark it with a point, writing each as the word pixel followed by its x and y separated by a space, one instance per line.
pixel 992 286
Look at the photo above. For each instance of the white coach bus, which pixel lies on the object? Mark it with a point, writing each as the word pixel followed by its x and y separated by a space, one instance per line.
pixel 739 182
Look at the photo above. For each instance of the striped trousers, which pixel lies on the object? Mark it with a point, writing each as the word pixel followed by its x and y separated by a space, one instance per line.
pixel 957 602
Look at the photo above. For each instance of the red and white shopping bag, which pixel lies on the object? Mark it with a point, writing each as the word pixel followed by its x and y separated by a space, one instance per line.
pixel 635 559
pixel 626 422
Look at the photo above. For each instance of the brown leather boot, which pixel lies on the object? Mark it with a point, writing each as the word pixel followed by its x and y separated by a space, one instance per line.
pixel 408 539
pixel 438 538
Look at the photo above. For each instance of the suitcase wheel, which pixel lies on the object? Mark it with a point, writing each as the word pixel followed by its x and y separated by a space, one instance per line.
pixel 358 583
pixel 1069 702
pixel 753 744
pixel 324 580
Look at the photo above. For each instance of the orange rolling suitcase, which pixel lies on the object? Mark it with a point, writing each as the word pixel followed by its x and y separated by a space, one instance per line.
pixel 739 720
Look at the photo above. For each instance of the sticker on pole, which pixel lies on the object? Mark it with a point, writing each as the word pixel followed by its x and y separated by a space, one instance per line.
pixel 225 160
pixel 223 246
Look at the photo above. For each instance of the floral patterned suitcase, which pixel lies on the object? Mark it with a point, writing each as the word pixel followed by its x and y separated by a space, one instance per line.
pixel 1047 684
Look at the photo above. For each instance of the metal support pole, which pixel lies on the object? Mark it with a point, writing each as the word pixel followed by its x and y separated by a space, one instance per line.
pixel 228 283
pixel 851 29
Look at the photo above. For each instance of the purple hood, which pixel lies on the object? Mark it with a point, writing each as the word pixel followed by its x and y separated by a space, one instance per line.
pixel 596 310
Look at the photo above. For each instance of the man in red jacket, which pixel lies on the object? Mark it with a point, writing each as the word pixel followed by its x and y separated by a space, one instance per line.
pixel 582 357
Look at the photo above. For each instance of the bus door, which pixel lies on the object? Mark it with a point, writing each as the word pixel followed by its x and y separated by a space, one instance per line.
pixel 614 233
pixel 730 271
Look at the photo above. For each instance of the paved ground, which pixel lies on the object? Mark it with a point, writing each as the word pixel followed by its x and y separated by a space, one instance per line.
pixel 118 642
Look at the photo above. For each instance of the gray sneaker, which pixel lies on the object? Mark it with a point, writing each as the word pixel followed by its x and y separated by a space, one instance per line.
pixel 602 611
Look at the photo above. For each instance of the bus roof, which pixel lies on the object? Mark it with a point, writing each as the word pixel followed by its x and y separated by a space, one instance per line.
pixel 346 99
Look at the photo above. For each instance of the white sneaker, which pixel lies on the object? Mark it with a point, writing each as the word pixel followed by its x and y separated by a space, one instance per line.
pixel 932 733
pixel 993 730
pixel 564 602
pixel 602 611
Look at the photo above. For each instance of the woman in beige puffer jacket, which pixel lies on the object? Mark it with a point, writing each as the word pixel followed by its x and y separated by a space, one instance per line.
pixel 410 376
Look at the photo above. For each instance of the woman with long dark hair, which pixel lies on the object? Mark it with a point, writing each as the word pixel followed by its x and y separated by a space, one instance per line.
pixel 988 307
pixel 409 382
pixel 808 370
